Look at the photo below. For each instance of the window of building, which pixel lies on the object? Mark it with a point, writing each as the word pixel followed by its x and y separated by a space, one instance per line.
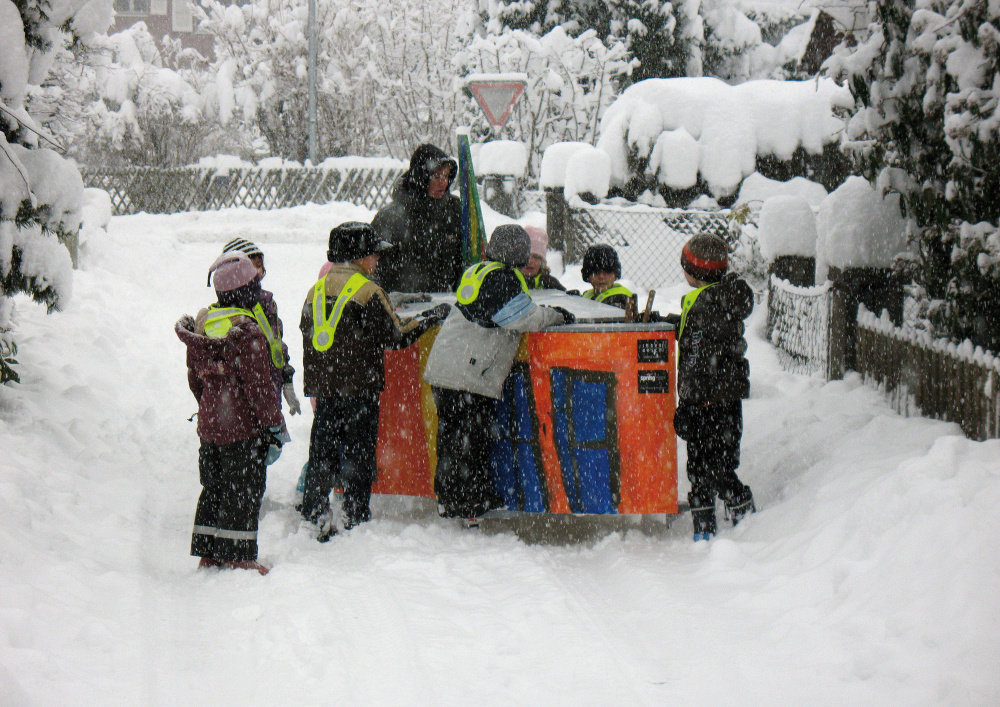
pixel 132 7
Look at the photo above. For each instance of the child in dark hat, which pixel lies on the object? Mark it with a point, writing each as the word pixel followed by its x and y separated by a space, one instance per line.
pixel 713 377
pixel 347 325
pixel 281 371
pixel 239 416
pixel 601 268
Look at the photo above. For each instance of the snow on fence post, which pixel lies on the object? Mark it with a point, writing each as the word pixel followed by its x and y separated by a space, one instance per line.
pixel 877 289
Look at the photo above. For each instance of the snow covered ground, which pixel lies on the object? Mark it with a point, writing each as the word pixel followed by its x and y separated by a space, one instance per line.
pixel 870 575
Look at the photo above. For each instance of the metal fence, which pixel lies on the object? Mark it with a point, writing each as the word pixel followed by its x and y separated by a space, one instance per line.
pixel 648 240
pixel 934 378
pixel 166 191
pixel 798 324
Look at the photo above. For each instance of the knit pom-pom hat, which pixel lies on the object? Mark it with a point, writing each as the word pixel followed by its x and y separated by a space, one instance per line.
pixel 705 257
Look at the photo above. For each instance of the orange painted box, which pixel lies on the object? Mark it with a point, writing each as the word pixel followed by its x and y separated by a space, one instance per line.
pixel 585 424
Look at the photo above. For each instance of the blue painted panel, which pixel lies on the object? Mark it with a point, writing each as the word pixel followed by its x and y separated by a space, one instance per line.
pixel 589 411
pixel 586 472
pixel 516 470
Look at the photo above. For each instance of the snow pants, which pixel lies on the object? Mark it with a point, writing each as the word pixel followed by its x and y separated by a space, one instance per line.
pixel 462 481
pixel 713 434
pixel 342 446
pixel 233 477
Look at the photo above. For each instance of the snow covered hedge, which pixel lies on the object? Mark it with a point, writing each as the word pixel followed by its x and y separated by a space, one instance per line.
pixel 927 127
pixel 701 135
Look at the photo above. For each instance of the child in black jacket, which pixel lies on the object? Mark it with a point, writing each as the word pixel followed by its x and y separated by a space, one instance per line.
pixel 713 377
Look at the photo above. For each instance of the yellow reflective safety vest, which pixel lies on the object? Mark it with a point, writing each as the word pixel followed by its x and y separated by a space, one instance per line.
pixel 220 321
pixel 324 329
pixel 472 280
pixel 615 289
pixel 687 302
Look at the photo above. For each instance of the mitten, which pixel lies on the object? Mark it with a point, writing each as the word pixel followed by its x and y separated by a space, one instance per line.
pixel 568 316
pixel 274 443
pixel 436 315
pixel 293 402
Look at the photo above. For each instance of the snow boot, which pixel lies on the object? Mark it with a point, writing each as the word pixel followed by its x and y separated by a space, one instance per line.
pixel 248 565
pixel 739 505
pixel 702 516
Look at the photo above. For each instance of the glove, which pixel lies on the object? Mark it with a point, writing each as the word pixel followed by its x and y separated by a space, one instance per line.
pixel 288 392
pixel 185 322
pixel 437 314
pixel 398 299
pixel 273 439
pixel 568 316
pixel 573 292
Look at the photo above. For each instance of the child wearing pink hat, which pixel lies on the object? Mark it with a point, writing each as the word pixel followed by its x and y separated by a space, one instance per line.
pixel 536 272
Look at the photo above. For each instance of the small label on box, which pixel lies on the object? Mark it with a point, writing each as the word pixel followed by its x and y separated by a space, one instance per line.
pixel 653 350
pixel 654 381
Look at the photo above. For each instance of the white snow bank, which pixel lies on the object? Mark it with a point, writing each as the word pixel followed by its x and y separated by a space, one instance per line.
pixel 856 227
pixel 868 576
pixel 732 124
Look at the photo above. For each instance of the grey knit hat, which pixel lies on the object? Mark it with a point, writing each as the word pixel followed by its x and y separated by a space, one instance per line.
pixel 510 244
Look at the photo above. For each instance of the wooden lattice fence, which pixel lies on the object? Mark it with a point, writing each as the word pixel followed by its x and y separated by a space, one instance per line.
pixel 165 191
pixel 934 378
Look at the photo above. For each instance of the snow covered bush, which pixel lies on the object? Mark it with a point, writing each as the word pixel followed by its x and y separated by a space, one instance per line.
pixel 927 83
pixel 685 136
pixel 571 81
pixel 40 191
pixel 153 104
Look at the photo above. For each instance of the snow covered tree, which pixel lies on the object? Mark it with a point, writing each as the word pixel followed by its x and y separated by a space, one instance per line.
pixel 927 82
pixel 664 37
pixel 151 104
pixel 384 83
pixel 571 80
pixel 40 191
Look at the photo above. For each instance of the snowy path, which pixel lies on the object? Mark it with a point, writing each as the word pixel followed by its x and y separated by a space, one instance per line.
pixel 870 576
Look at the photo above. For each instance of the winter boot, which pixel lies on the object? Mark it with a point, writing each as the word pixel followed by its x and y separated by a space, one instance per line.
pixel 702 516
pixel 248 565
pixel 739 505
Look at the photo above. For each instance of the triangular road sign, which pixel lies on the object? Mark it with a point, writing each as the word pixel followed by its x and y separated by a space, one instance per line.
pixel 497 98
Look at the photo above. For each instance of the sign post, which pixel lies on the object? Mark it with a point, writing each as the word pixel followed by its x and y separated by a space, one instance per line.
pixel 496 94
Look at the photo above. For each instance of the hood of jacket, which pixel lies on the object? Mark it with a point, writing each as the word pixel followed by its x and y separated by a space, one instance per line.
pixel 423 163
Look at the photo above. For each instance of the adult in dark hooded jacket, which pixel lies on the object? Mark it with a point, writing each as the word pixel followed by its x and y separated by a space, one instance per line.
pixel 424 223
